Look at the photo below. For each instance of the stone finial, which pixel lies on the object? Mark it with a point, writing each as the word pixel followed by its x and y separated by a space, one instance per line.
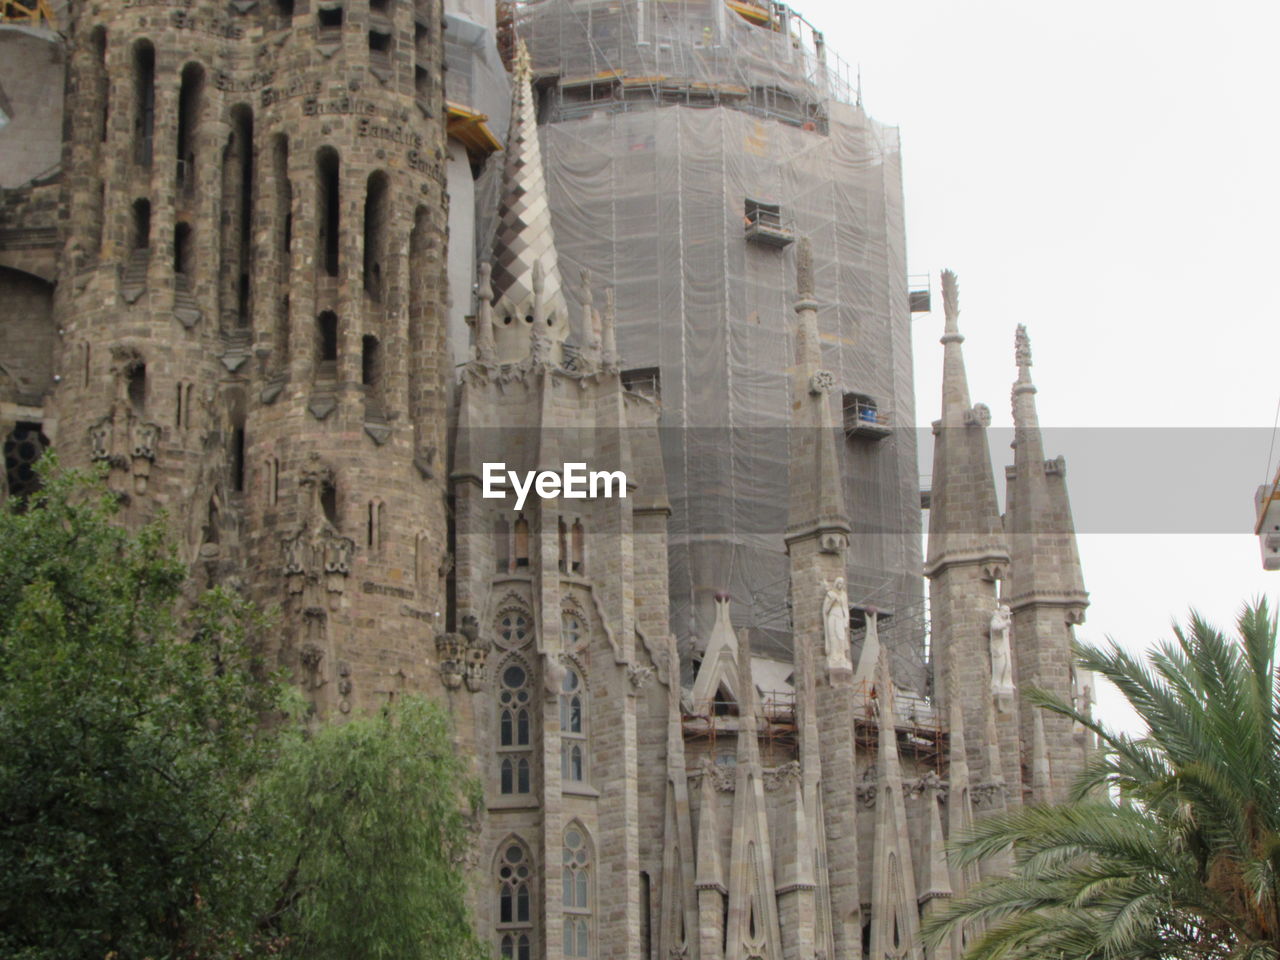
pixel 1022 353
pixel 485 347
pixel 951 300
pixel 585 289
pixel 804 269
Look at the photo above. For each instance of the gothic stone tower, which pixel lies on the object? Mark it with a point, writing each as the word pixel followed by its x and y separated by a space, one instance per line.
pixel 250 299
pixel 562 602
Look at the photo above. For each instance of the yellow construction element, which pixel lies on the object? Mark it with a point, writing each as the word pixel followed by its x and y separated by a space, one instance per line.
pixel 471 130
pixel 38 14
pixel 750 11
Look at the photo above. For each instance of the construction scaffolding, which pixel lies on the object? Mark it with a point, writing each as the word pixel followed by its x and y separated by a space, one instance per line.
pixel 686 144
pixel 762 58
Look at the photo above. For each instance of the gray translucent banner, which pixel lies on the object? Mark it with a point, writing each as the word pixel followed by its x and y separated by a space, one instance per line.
pixel 1129 480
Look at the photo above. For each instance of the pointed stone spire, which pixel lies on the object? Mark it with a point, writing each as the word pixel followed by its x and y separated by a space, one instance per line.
pixel 1046 590
pixel 864 679
pixel 895 917
pixel 484 314
pixel 525 239
pixel 719 668
pixel 679 921
pixel 752 929
pixel 709 880
pixel 998 797
pixel 964 519
pixel 935 878
pixel 968 553
pixel 959 811
pixel 1039 518
pixel 816 482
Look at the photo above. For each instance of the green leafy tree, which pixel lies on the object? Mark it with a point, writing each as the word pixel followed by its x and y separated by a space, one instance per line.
pixel 1185 865
pixel 162 796
pixel 127 722
pixel 369 823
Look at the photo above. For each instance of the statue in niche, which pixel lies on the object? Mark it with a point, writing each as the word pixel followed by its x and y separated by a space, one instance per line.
pixel 835 618
pixel 1001 657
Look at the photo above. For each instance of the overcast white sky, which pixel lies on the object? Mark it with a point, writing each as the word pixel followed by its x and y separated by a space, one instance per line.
pixel 1106 173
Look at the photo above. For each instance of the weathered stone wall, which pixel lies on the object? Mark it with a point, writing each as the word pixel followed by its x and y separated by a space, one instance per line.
pixel 229 178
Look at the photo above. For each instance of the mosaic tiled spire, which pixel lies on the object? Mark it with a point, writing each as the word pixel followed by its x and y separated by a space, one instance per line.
pixel 525 237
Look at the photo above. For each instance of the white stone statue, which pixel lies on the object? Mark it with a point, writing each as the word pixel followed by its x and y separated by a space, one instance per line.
pixel 835 618
pixel 1001 657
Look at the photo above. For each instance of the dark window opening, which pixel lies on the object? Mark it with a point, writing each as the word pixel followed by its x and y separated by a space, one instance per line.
pixel 237 459
pixel 379 6
pixel 327 164
pixel 330 17
pixel 22 448
pixel 137 387
pixel 285 8
pixel 144 60
pixel 375 230
pixel 211 524
pixel 329 502
pixel 370 361
pixel 421 83
pixel 101 85
pixel 182 249
pixel 327 337
pixel 284 201
pixel 645 916
pixel 379 42
pixel 522 543
pixel 189 99
pixel 577 543
pixel 141 224
pixel 242 149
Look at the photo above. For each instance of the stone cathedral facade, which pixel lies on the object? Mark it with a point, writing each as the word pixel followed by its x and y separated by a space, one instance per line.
pixel 233 293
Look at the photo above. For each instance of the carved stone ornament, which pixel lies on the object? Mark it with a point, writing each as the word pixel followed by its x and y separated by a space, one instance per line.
pixel 451 654
pixel 979 415
pixel 722 778
pixel 146 437
pixel 553 671
pixel 832 542
pixel 477 654
pixel 986 794
pixel 785 775
pixel 639 676
pixel 100 439
pixel 823 381
pixel 866 794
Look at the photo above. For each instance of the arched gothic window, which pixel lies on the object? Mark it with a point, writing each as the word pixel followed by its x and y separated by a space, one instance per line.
pixel 515 910
pixel 514 733
pixel 573 728
pixel 572 631
pixel 576 889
